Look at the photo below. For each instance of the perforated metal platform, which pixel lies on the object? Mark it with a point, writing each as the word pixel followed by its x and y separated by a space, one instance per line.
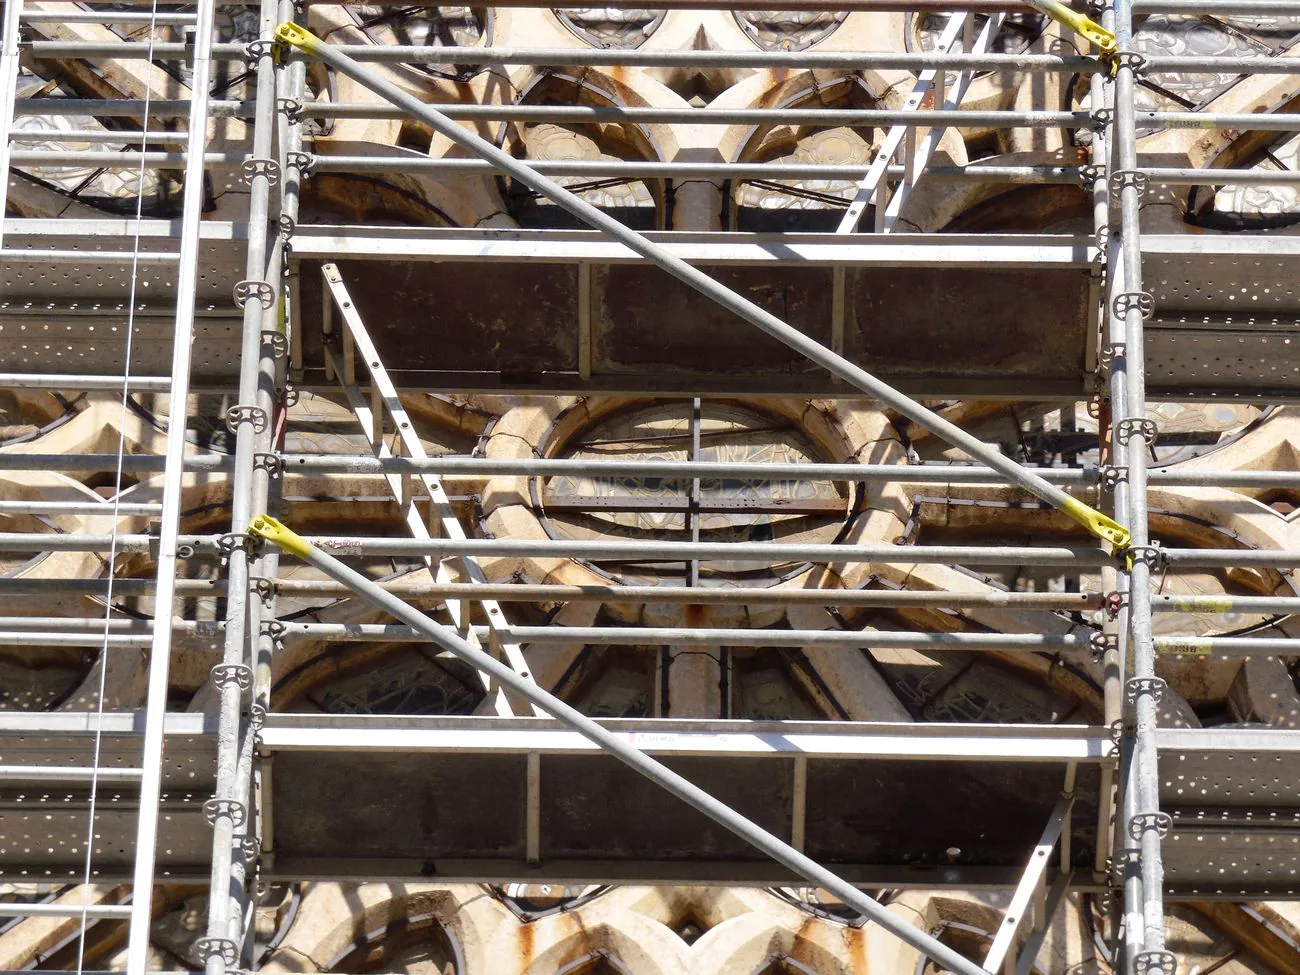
pixel 454 795
pixel 44 826
pixel 1234 797
pixel 937 315
pixel 927 312
pixel 71 316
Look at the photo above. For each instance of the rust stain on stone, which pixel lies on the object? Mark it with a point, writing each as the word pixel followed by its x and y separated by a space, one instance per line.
pixel 525 943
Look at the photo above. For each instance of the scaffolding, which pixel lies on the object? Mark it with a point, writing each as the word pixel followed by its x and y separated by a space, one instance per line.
pixel 266 306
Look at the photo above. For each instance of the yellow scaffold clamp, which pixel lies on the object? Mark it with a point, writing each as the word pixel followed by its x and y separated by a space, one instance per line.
pixel 290 35
pixel 1107 529
pixel 286 539
pixel 1080 24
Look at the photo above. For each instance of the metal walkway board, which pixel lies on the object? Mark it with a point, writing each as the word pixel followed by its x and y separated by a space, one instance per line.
pixel 452 315
pixel 453 791
pixel 1234 798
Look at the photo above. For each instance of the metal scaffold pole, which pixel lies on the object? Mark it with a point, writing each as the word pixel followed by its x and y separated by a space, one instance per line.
pixel 231 811
pixel 1114 628
pixel 687 791
pixel 1130 306
pixel 290 35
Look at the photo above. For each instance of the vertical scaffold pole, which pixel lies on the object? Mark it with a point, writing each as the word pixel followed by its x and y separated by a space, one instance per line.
pixel 1144 823
pixel 173 479
pixel 1115 584
pixel 234 826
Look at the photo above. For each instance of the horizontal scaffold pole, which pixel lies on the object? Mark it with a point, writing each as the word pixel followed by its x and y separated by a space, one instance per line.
pixel 613 57
pixel 453 465
pixel 656 551
pixel 290 35
pixel 201 637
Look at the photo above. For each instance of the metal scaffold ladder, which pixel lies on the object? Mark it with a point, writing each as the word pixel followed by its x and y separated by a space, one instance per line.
pixel 356 345
pixel 136 906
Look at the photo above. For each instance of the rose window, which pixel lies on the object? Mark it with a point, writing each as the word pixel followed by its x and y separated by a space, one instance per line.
pixel 788 510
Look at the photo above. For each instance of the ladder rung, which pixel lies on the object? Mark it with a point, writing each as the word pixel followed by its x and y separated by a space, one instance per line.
pixel 68 773
pixel 97 911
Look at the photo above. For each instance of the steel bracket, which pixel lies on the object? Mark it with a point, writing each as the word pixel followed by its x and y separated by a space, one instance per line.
pixel 290 108
pixel 278 342
pixel 1135 61
pixel 261 290
pixel 1113 603
pixel 1091 173
pixel 289 396
pixel 274 629
pixel 263 587
pixel 271 463
pixel 1101 117
pixel 208 947
pixel 215 807
pixel 304 162
pixel 1121 861
pixel 286 225
pixel 247 414
pixel 1102 238
pixel 250 847
pixel 1152 556
pixel 254 167
pixel 1117 732
pixel 1110 476
pixel 241 674
pixel 257 715
pixel 256 49
pixel 1141 300
pixel 1111 351
pixel 1136 686
pixel 229 542
pixel 1122 179
pixel 1155 963
pixel 1141 426
pixel 1101 643
pixel 1161 822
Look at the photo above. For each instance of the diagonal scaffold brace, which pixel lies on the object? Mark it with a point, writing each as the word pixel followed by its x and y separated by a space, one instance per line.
pixel 291 543
pixel 1080 23
pixel 290 36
